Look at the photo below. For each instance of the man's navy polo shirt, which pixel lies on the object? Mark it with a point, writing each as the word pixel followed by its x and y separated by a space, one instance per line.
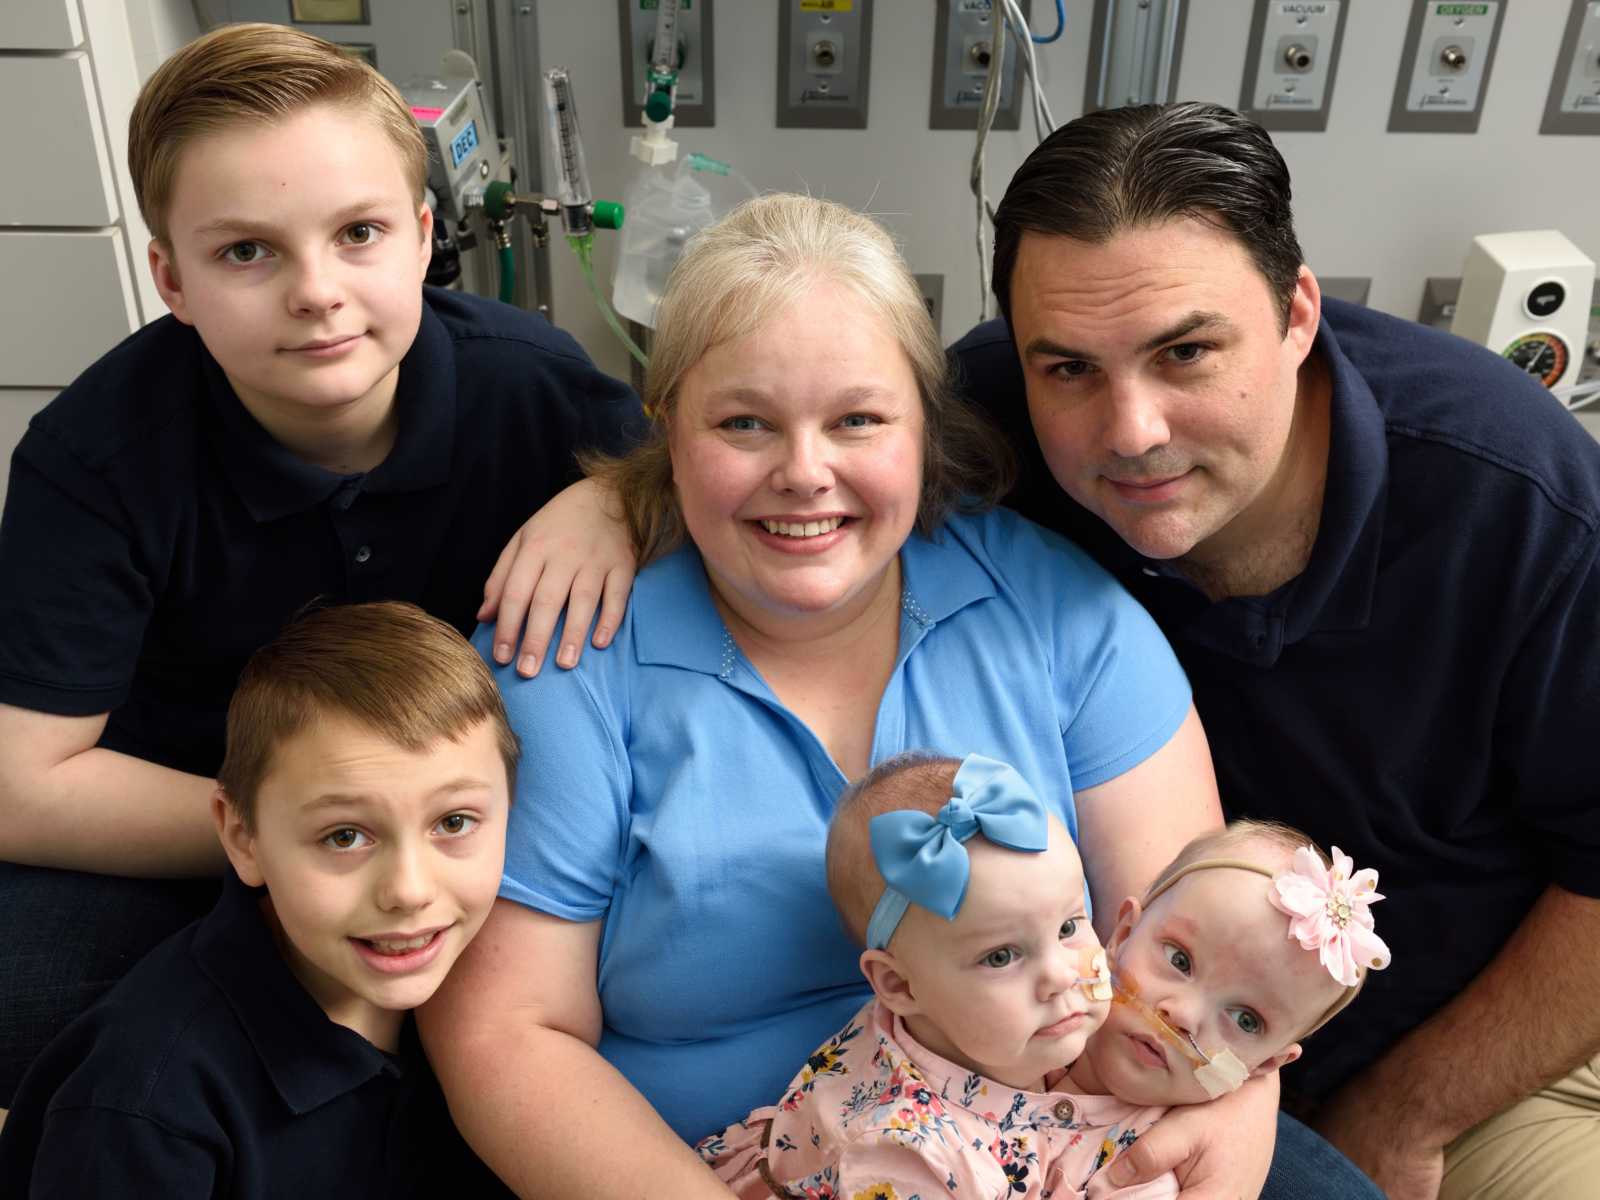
pixel 1424 694
pixel 210 1071
pixel 155 534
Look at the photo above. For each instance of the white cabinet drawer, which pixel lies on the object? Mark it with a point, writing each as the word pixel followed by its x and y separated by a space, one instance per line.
pixel 65 299
pixel 57 169
pixel 40 25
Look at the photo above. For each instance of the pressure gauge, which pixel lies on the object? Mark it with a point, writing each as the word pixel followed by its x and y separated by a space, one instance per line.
pixel 1542 355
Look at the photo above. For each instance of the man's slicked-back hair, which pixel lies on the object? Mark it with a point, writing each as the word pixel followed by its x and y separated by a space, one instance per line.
pixel 1125 168
pixel 388 667
pixel 253 74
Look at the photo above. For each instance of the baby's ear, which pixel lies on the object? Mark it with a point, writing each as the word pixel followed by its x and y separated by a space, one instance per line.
pixel 1127 917
pixel 888 982
pixel 1281 1059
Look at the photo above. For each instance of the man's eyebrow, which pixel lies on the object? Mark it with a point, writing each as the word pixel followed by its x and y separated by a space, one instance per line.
pixel 1195 322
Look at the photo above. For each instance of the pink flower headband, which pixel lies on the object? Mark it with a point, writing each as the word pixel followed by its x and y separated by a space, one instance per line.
pixel 1329 912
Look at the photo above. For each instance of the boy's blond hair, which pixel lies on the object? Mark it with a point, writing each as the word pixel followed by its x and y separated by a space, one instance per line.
pixel 389 667
pixel 255 74
pixel 913 781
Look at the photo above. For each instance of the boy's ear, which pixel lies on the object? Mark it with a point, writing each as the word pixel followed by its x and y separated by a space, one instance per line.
pixel 1281 1059
pixel 237 842
pixel 425 224
pixel 164 270
pixel 891 986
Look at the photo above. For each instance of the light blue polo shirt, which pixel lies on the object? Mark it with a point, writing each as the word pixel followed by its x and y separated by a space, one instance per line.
pixel 666 791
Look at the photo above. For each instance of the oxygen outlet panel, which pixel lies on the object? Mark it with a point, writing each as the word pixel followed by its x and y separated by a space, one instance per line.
pixel 964 37
pixel 694 104
pixel 824 61
pixel 1574 102
pixel 1444 68
pixel 1291 63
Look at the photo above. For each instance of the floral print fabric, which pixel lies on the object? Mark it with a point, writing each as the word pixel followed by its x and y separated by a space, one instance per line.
pixel 873 1115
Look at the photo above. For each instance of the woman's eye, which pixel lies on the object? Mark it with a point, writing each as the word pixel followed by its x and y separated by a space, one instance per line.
pixel 346 839
pixel 456 824
pixel 361 234
pixel 1248 1022
pixel 859 421
pixel 742 424
pixel 1069 929
pixel 1178 957
pixel 244 253
pixel 1003 957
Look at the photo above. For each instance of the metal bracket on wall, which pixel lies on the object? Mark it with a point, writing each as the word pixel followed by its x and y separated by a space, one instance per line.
pixel 1134 52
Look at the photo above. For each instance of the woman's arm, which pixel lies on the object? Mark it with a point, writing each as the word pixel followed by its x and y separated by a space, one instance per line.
pixel 512 1035
pixel 1132 826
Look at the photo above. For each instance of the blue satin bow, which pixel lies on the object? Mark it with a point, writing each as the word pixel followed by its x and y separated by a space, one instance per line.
pixel 922 859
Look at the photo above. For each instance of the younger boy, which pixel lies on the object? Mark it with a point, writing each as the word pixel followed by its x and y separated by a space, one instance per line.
pixel 310 421
pixel 263 1050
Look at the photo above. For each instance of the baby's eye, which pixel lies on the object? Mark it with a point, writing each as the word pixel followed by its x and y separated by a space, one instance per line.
pixel 1069 929
pixel 1178 957
pixel 457 824
pixel 244 253
pixel 1003 957
pixel 346 839
pixel 1248 1022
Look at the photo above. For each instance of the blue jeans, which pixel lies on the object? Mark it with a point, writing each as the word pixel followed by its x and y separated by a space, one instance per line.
pixel 1305 1167
pixel 69 937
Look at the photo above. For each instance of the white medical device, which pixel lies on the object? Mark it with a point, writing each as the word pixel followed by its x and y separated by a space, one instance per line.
pixel 1527 296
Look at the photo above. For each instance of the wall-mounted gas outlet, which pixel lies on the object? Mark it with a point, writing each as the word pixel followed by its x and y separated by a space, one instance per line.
pixel 824 60
pixel 1573 105
pixel 695 100
pixel 1444 68
pixel 1290 66
pixel 964 37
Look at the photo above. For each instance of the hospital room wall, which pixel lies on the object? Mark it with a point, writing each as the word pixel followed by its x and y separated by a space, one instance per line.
pixel 1396 208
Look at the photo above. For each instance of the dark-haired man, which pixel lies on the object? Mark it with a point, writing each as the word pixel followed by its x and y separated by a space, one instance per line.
pixel 1374 548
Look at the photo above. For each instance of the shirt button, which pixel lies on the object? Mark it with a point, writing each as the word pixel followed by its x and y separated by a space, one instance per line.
pixel 1064 1111
pixel 363 554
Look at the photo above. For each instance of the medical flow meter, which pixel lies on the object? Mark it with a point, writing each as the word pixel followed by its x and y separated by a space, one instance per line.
pixel 1527 296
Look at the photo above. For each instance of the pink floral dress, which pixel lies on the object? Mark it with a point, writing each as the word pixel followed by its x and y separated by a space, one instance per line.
pixel 873 1115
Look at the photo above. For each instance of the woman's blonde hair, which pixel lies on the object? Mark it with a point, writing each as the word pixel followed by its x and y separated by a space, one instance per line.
pixel 739 274
pixel 253 74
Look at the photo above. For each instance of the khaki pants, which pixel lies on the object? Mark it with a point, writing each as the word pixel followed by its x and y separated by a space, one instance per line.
pixel 1545 1148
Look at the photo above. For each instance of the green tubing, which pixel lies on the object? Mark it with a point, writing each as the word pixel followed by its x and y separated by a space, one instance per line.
pixel 508 275
pixel 583 245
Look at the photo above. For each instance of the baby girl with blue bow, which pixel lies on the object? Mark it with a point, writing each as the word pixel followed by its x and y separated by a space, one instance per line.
pixel 989 984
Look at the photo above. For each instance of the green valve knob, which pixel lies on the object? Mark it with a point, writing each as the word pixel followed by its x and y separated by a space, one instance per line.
pixel 658 107
pixel 607 214
pixel 495 199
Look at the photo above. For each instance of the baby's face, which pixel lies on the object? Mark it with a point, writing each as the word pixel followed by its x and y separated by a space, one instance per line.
pixel 1214 960
pixel 996 990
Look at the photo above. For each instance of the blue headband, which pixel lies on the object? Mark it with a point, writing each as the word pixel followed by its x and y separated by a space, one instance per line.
pixel 921 858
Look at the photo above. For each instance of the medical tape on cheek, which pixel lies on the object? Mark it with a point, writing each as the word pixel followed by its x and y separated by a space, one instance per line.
pixel 1096 978
pixel 1219 1072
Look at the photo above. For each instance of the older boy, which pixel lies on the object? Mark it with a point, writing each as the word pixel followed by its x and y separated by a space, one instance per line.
pixel 259 1052
pixel 309 422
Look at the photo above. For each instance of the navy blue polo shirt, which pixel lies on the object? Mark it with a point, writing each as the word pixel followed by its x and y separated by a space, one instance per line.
pixel 210 1071
pixel 155 534
pixel 1424 694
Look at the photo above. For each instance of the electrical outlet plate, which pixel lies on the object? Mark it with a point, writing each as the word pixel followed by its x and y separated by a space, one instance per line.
pixel 964 34
pixel 824 63
pixel 1573 105
pixel 695 103
pixel 1444 68
pixel 1290 66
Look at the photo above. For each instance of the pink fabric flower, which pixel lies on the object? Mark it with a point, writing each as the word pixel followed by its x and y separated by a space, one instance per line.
pixel 1329 912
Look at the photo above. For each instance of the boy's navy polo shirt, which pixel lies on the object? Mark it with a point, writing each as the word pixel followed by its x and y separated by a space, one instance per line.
pixel 210 1071
pixel 1424 694
pixel 155 535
